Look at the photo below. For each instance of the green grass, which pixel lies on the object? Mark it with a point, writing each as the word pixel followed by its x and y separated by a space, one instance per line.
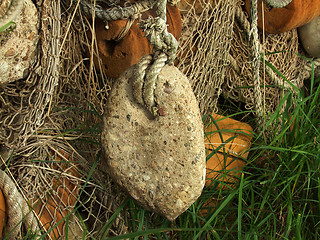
pixel 277 195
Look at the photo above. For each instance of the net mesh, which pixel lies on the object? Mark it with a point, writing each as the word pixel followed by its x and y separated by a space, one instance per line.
pixel 49 135
pixel 204 47
pixel 279 50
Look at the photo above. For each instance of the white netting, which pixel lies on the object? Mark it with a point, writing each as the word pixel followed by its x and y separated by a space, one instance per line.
pixel 204 47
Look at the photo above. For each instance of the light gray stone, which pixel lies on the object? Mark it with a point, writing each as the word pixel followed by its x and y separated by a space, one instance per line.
pixel 18 47
pixel 160 161
pixel 309 35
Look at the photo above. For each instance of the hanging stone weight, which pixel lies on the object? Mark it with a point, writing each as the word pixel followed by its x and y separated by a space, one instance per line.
pixel 159 160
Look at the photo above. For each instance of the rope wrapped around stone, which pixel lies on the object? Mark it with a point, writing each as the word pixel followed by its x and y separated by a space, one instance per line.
pixel 164 44
pixel 278 3
pixel 17 208
pixel 144 77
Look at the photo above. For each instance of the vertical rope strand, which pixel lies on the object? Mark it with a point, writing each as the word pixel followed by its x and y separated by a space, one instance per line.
pixel 256 63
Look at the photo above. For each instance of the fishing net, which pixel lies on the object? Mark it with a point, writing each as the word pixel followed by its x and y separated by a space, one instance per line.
pixel 204 47
pixel 50 121
pixel 216 54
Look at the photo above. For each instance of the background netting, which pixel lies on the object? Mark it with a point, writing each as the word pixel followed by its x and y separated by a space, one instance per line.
pixel 49 122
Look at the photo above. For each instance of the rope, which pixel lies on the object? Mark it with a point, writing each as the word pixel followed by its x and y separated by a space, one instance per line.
pixel 308 67
pixel 18 209
pixel 151 79
pixel 164 43
pixel 138 76
pixel 255 46
pixel 278 3
pixel 242 19
pixel 117 12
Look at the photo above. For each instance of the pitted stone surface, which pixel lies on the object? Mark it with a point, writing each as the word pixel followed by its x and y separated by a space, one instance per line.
pixel 160 161
pixel 18 47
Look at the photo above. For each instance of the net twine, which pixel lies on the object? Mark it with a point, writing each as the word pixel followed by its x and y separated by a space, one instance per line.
pixel 204 47
pixel 164 44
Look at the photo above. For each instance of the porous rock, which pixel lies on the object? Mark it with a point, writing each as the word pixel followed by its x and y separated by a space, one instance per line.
pixel 18 47
pixel 309 36
pixel 160 161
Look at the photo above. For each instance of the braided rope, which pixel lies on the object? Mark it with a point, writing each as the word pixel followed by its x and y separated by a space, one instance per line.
pixel 255 46
pixel 18 209
pixel 308 67
pixel 151 79
pixel 138 76
pixel 278 3
pixel 157 34
pixel 164 43
pixel 117 12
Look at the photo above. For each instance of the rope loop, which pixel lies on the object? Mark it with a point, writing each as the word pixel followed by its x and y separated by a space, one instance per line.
pixel 155 28
pixel 278 3
pixel 144 79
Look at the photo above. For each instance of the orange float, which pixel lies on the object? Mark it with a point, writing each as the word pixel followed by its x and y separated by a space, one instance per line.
pixel 2 213
pixel 279 20
pixel 53 210
pixel 118 55
pixel 231 139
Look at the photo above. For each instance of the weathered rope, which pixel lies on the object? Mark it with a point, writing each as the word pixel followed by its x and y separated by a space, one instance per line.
pixel 278 3
pixel 116 13
pixel 151 79
pixel 164 43
pixel 255 46
pixel 9 11
pixel 17 207
pixel 242 19
pixel 156 32
pixel 138 76
pixel 308 67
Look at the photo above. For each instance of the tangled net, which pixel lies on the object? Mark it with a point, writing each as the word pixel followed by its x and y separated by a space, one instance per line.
pixel 55 112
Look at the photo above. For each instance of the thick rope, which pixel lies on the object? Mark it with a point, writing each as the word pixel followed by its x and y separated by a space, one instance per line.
pixel 18 209
pixel 157 34
pixel 164 43
pixel 138 76
pixel 255 46
pixel 151 79
pixel 308 67
pixel 278 3
pixel 116 13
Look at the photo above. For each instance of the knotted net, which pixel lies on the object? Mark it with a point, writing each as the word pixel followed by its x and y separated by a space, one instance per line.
pixel 49 134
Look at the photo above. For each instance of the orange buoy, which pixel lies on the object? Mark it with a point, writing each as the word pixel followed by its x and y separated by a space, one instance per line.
pixel 231 139
pixel 279 20
pixel 119 54
pixel 2 213
pixel 55 208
